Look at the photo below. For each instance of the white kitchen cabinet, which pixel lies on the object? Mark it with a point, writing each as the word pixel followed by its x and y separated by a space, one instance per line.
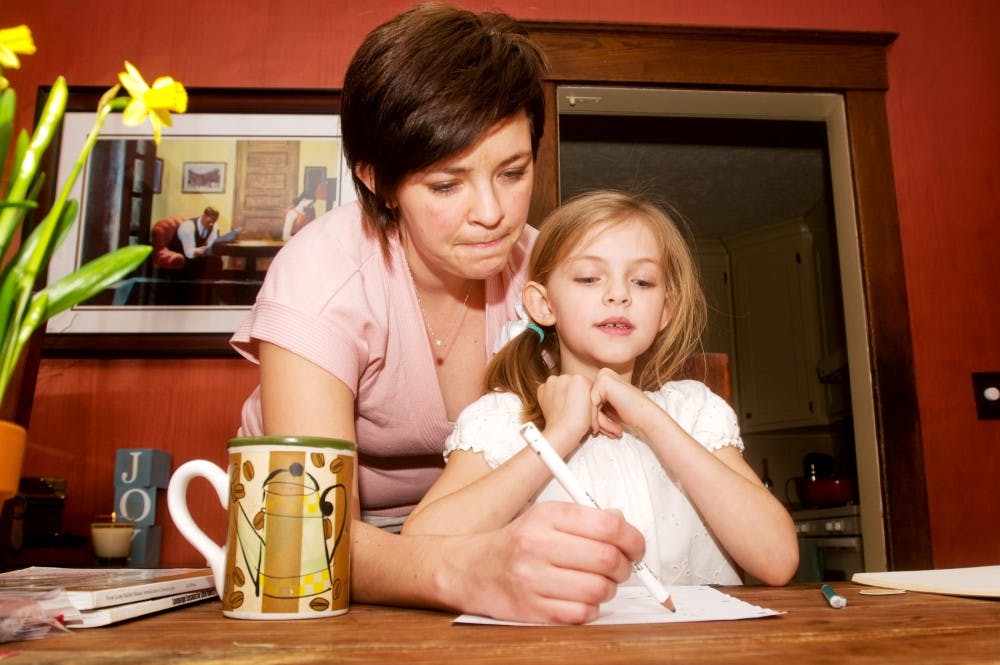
pixel 782 306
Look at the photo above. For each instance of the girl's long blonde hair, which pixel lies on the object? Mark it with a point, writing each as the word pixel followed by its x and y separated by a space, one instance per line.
pixel 527 361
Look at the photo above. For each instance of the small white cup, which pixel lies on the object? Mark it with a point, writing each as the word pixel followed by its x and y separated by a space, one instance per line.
pixel 111 539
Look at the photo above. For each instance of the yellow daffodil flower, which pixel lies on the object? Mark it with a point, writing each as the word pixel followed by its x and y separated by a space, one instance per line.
pixel 14 41
pixel 154 102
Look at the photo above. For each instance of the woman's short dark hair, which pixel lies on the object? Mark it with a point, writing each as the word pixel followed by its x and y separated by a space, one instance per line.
pixel 425 86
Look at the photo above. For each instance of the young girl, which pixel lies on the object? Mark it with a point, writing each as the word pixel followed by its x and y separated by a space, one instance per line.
pixel 616 310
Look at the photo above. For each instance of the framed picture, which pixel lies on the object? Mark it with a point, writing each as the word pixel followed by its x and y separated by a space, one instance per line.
pixel 243 155
pixel 203 177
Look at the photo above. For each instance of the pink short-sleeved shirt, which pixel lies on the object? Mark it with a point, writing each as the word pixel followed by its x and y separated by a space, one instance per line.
pixel 331 298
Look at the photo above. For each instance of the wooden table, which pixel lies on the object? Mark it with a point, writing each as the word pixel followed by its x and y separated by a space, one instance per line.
pixel 249 250
pixel 908 628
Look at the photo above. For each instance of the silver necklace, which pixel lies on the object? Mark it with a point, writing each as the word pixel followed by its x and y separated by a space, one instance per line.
pixel 441 345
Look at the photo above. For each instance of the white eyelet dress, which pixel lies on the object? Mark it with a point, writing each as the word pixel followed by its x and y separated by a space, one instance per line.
pixel 625 474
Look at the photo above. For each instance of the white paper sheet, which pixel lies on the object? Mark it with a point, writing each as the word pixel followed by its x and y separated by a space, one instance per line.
pixel 980 581
pixel 633 604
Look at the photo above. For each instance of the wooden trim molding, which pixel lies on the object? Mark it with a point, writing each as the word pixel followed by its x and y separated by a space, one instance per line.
pixel 630 53
pixel 852 64
pixel 901 453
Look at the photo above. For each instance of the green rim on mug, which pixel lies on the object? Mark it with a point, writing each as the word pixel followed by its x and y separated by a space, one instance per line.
pixel 301 441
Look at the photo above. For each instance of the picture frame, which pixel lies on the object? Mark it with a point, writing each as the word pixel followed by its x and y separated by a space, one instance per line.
pixel 157 312
pixel 203 177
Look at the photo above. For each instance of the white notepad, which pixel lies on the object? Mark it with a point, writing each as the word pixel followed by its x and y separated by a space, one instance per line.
pixel 982 581
pixel 634 604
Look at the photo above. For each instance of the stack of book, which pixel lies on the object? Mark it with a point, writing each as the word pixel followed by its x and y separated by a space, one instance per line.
pixel 102 596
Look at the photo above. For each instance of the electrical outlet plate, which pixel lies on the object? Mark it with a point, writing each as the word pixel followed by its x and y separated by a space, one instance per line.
pixel 986 386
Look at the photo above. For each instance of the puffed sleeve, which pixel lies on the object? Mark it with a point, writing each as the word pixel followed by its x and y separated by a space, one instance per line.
pixel 489 426
pixel 333 313
pixel 701 413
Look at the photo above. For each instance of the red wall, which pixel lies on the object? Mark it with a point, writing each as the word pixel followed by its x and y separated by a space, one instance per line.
pixel 944 118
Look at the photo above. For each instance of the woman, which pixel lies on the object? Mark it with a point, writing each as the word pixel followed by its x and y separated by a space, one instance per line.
pixel 375 322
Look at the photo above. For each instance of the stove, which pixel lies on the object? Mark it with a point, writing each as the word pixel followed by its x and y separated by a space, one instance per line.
pixel 838 521
pixel 830 546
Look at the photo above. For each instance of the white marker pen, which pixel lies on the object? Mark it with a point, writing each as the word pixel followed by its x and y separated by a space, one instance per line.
pixel 558 467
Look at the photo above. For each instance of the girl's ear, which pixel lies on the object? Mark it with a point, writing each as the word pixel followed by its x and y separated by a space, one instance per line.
pixel 366 175
pixel 536 303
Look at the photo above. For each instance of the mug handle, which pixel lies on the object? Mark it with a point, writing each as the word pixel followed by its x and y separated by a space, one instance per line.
pixel 177 505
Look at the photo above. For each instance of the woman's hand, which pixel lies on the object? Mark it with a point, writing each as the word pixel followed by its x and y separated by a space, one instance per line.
pixel 554 564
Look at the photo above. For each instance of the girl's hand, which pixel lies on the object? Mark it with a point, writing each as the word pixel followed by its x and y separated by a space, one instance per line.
pixel 619 404
pixel 569 413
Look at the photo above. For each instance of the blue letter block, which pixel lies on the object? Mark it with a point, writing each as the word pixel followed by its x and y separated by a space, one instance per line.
pixel 142 467
pixel 145 547
pixel 136 504
pixel 139 473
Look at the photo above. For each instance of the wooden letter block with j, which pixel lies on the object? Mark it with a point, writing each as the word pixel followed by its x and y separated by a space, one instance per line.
pixel 142 467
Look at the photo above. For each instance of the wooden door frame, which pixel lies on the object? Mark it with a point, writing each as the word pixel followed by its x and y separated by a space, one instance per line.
pixel 852 64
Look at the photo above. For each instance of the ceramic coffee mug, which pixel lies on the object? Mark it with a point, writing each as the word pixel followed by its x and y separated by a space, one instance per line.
pixel 287 552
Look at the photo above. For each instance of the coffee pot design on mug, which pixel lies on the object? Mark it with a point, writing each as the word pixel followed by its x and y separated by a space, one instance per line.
pixel 288 523
pixel 294 506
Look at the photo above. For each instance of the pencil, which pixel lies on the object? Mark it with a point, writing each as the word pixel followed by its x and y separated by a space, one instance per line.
pixel 558 467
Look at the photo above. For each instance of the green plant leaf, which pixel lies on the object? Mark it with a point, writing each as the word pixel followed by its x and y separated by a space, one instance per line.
pixel 92 278
pixel 7 232
pixel 19 275
pixel 30 205
pixel 43 240
pixel 8 104
pixel 34 317
pixel 26 206
pixel 24 175
pixel 27 326
pixel 20 147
